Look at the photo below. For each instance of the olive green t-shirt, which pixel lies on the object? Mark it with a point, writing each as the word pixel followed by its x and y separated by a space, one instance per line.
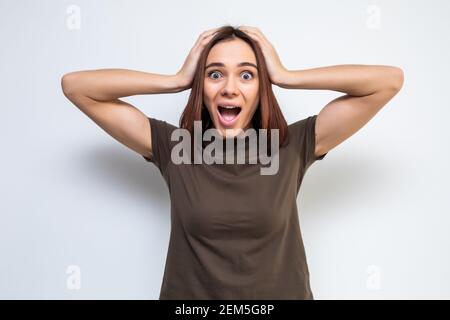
pixel 235 233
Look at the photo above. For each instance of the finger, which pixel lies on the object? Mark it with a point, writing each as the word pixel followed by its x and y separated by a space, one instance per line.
pixel 248 30
pixel 252 34
pixel 259 37
pixel 254 30
pixel 206 35
pixel 211 31
pixel 206 39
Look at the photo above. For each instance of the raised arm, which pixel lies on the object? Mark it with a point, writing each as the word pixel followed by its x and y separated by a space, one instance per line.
pixel 96 93
pixel 368 88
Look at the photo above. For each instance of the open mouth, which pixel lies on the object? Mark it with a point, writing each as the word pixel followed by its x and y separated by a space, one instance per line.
pixel 228 114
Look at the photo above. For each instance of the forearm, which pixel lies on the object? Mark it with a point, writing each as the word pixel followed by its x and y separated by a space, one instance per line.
pixel 110 84
pixel 353 79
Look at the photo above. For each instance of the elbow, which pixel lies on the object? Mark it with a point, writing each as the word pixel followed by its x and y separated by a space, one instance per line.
pixel 397 79
pixel 68 82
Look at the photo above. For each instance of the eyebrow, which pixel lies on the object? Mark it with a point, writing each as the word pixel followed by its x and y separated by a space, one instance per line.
pixel 220 64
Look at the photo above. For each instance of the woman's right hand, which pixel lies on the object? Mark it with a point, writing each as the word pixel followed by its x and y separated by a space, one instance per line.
pixel 187 71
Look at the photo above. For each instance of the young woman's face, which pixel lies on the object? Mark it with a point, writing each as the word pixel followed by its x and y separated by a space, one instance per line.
pixel 231 84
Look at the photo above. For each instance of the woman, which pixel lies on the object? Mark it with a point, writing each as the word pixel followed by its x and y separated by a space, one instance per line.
pixel 234 232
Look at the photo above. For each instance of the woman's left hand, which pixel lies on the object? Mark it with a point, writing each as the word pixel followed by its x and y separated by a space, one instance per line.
pixel 273 62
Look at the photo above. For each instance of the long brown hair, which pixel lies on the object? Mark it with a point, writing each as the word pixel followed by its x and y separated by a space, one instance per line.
pixel 268 114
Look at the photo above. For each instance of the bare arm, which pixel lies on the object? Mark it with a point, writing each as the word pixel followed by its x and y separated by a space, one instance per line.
pixel 96 93
pixel 110 84
pixel 353 79
pixel 368 88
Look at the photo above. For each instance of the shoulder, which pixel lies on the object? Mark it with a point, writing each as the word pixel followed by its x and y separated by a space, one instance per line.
pixel 302 126
pixel 162 125
pixel 161 130
pixel 303 132
pixel 161 143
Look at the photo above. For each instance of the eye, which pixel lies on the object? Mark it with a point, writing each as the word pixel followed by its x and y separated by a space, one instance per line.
pixel 249 72
pixel 215 71
pixel 212 72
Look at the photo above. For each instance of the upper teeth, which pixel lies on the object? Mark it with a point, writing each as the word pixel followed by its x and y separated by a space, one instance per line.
pixel 229 107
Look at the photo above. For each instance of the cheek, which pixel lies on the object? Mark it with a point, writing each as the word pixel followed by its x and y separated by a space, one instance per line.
pixel 255 99
pixel 209 92
pixel 207 98
pixel 253 92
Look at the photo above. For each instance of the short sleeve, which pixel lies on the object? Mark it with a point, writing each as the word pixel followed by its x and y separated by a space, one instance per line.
pixel 161 144
pixel 304 132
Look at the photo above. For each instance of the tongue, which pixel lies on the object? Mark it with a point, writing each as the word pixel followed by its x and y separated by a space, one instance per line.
pixel 229 114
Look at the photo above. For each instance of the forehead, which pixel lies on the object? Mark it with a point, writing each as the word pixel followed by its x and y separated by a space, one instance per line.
pixel 231 53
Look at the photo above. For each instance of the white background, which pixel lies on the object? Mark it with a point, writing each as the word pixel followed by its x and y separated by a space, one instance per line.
pixel 374 213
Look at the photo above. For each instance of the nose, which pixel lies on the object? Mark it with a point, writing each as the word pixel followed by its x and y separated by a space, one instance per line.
pixel 230 87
